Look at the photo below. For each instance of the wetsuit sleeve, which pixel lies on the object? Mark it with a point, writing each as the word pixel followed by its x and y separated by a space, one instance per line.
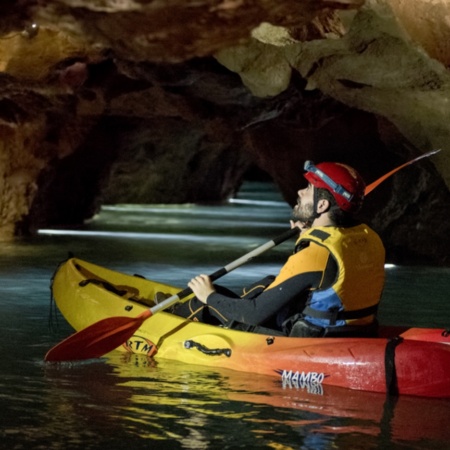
pixel 303 270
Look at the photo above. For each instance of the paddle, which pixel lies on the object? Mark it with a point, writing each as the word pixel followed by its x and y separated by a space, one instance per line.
pixel 107 334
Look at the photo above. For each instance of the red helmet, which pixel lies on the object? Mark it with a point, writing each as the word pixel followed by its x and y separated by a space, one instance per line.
pixel 345 183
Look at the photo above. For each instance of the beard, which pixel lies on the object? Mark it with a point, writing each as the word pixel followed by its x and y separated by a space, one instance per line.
pixel 304 212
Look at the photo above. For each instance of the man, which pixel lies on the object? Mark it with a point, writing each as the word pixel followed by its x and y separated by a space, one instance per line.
pixel 330 286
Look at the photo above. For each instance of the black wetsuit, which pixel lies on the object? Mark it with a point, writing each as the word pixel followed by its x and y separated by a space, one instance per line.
pixel 271 300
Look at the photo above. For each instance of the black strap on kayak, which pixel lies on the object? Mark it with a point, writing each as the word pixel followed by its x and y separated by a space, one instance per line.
pixel 334 315
pixel 207 351
pixel 389 365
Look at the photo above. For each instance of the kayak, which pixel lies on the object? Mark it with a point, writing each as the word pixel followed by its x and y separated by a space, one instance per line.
pixel 401 361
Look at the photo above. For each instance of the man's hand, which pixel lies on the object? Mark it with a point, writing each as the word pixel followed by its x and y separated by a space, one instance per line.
pixel 201 286
pixel 302 226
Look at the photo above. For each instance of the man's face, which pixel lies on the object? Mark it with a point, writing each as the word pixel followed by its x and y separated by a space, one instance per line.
pixel 304 209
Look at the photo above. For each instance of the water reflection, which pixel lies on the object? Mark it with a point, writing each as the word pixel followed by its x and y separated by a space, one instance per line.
pixel 204 408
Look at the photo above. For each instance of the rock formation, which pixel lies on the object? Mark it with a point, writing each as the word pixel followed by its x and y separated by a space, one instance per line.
pixel 105 101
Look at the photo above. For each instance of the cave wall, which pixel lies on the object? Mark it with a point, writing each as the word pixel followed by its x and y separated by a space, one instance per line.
pixel 138 101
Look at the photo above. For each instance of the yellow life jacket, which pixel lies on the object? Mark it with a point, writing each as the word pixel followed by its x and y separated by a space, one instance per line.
pixel 354 296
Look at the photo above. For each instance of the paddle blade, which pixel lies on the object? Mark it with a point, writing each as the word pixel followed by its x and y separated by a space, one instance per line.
pixel 96 340
pixel 373 185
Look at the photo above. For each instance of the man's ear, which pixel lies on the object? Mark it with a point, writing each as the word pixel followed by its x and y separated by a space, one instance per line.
pixel 323 206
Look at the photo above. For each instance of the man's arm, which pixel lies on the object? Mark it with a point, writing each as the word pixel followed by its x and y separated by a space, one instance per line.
pixel 302 271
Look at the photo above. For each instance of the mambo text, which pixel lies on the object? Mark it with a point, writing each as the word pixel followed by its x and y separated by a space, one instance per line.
pixel 301 379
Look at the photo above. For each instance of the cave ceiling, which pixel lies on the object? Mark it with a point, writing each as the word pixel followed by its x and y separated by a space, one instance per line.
pixel 135 101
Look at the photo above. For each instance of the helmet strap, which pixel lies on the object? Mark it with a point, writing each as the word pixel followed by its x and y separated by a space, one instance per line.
pixel 315 204
pixel 317 214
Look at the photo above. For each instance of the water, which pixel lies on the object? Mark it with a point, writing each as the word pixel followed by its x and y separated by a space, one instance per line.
pixel 127 401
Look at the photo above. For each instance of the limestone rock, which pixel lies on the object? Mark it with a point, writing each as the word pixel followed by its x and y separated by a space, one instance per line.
pixel 147 101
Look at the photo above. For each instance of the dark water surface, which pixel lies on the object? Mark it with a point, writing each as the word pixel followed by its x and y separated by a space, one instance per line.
pixel 129 402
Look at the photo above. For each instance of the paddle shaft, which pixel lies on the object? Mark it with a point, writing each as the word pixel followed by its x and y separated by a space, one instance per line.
pixel 228 268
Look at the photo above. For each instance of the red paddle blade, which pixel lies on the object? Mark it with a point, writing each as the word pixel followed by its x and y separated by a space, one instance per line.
pixel 373 185
pixel 96 340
